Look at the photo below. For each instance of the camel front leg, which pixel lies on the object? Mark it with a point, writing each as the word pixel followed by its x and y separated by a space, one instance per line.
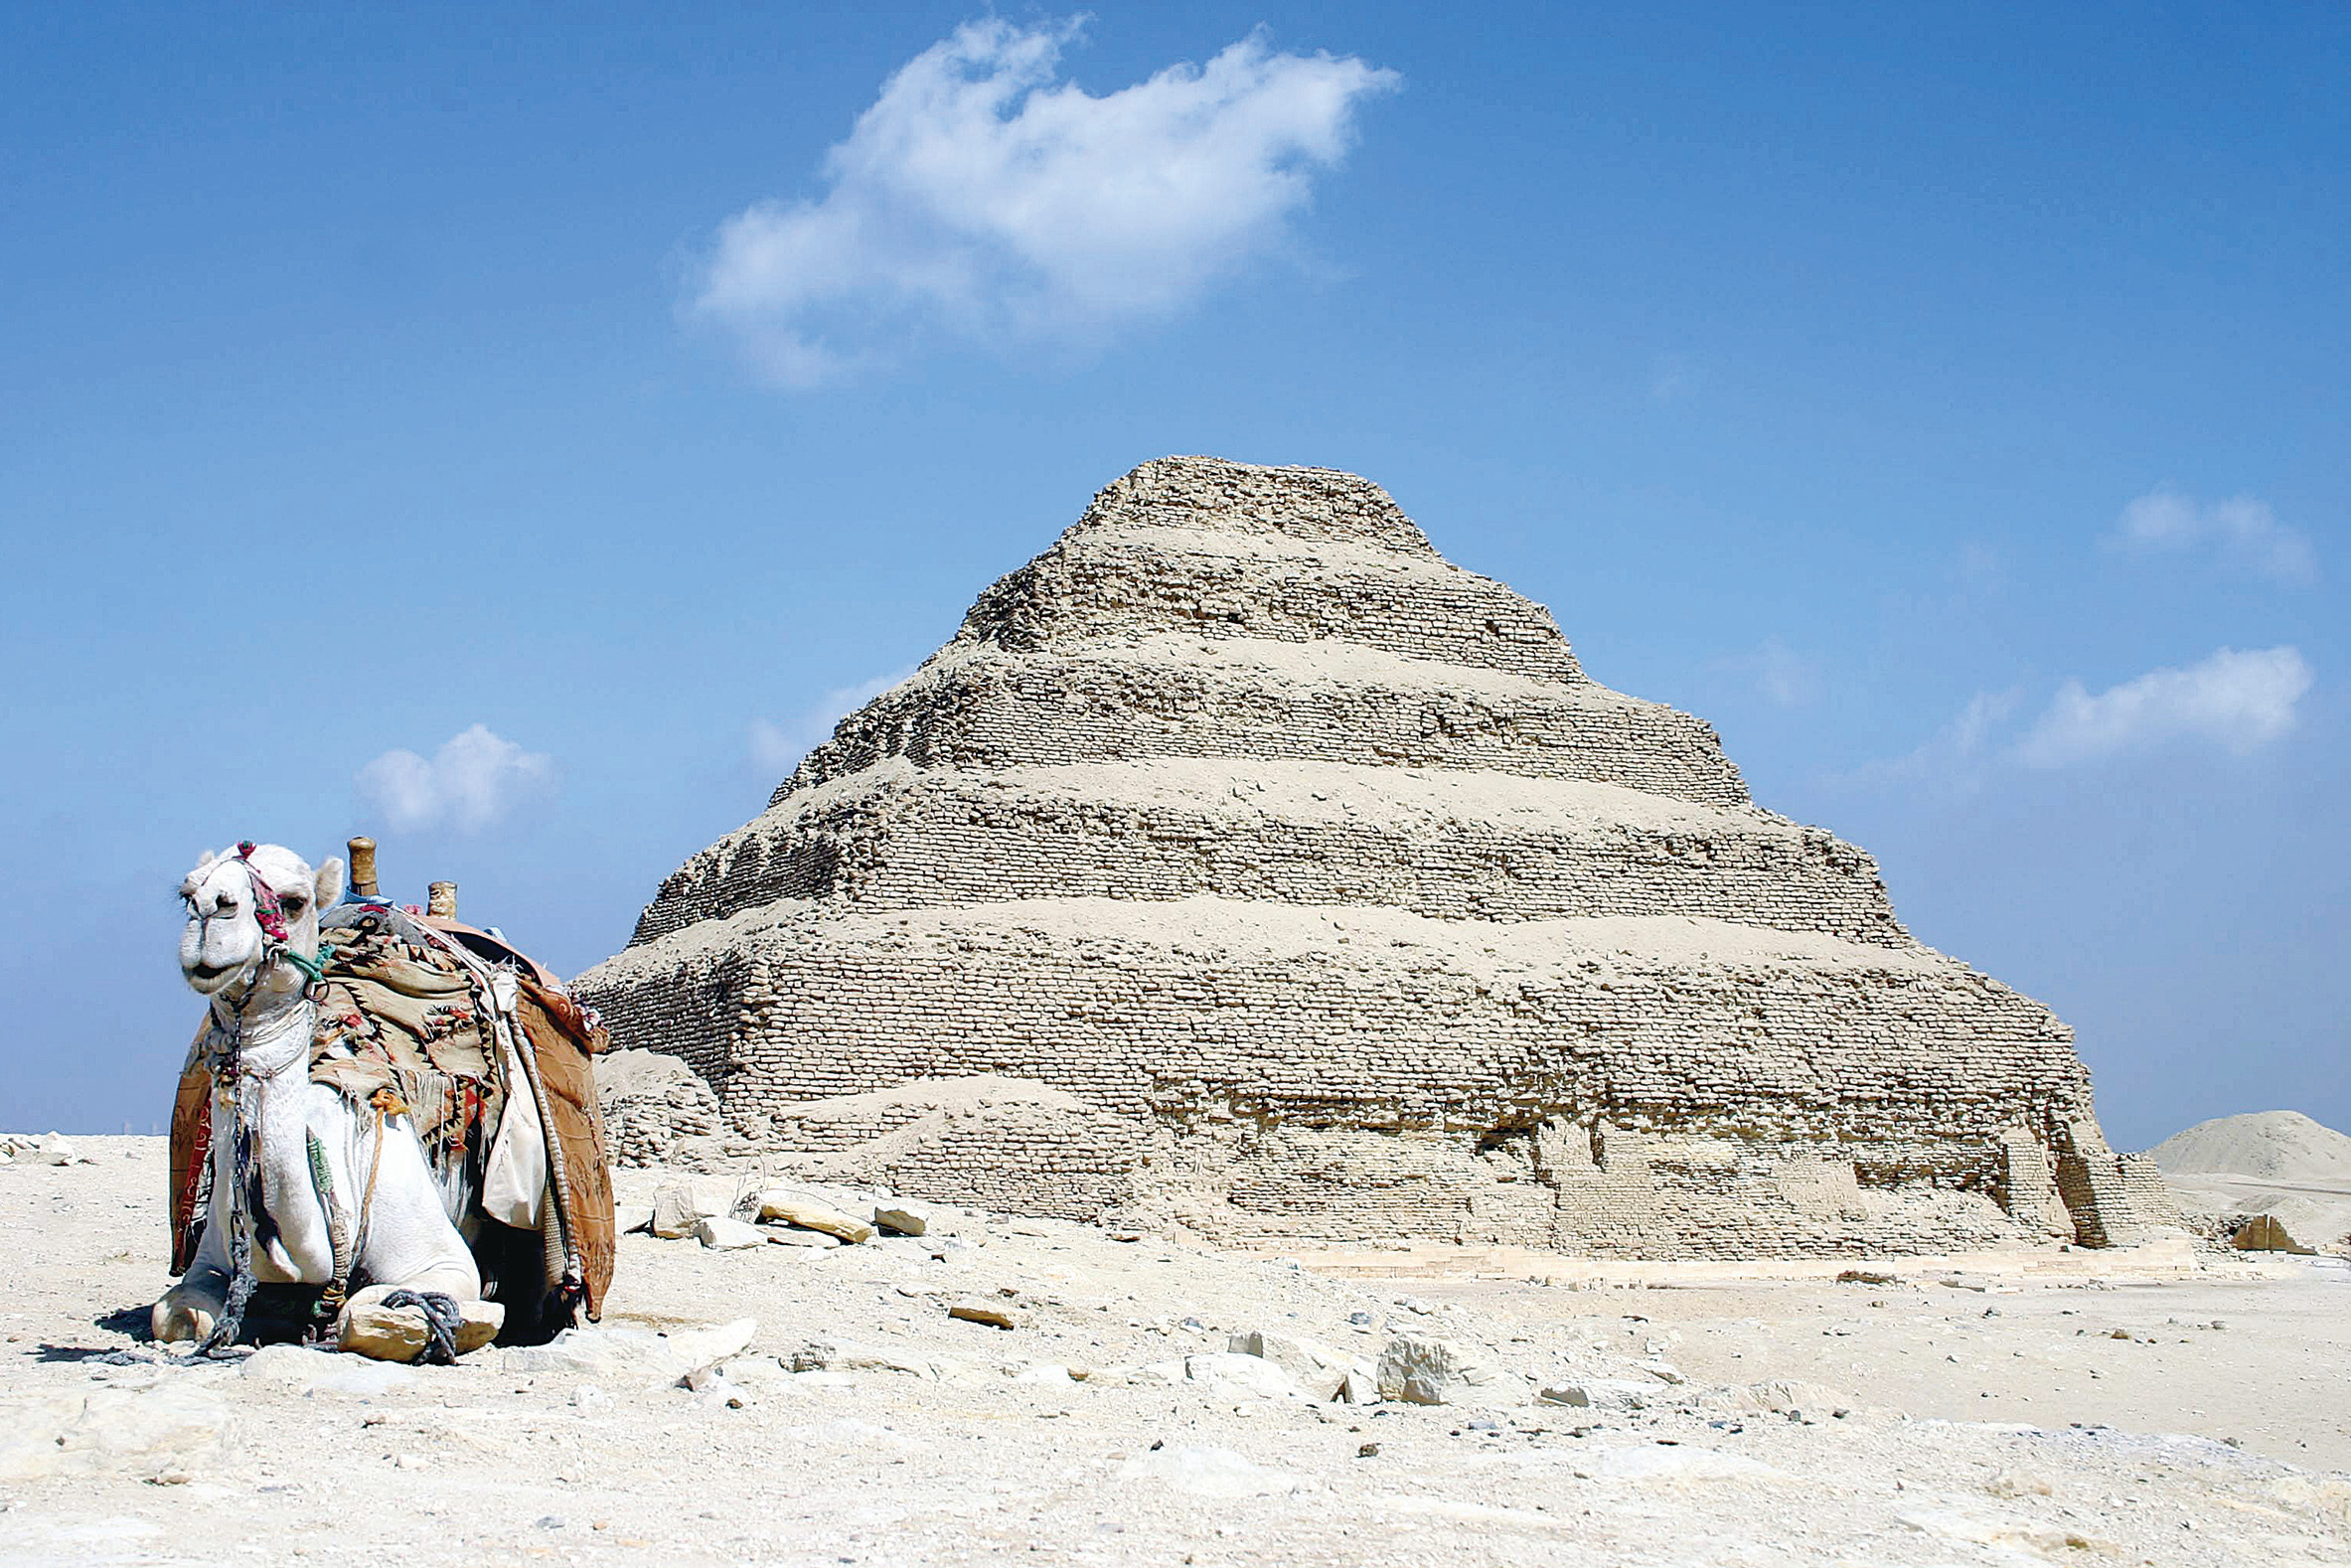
pixel 417 1265
pixel 189 1308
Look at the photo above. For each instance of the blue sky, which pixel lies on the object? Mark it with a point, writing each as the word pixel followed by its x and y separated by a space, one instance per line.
pixel 1949 407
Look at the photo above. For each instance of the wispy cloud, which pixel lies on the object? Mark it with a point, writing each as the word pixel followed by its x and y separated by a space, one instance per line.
pixel 472 782
pixel 2235 700
pixel 1954 754
pixel 1786 678
pixel 2241 528
pixel 985 198
pixel 776 748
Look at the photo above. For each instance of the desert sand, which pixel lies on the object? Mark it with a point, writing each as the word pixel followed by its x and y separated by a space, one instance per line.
pixel 2160 1406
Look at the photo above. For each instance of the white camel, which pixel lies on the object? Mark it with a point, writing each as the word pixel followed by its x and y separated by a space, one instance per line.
pixel 253 921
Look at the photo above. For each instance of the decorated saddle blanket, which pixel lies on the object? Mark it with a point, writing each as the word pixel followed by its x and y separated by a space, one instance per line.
pixel 468 1039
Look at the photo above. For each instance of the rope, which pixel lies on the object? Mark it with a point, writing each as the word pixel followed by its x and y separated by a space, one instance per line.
pixel 222 1342
pixel 338 1289
pixel 443 1319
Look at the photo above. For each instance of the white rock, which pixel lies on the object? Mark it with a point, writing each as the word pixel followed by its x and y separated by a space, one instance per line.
pixel 157 1432
pixel 1209 1471
pixel 627 1218
pixel 727 1235
pixel 679 1206
pixel 1426 1370
pixel 1151 1374
pixel 1663 1370
pixel 55 1149
pixel 1323 1370
pixel 632 1352
pixel 829 1356
pixel 1225 1374
pixel 300 1369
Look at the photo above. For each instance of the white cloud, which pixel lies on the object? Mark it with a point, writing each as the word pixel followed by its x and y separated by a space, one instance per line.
pixel 982 196
pixel 2241 527
pixel 471 782
pixel 776 748
pixel 2235 700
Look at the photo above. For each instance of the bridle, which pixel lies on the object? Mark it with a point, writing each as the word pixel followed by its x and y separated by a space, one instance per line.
pixel 270 914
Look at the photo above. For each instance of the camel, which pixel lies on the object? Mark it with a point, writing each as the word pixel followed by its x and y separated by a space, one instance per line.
pixel 251 949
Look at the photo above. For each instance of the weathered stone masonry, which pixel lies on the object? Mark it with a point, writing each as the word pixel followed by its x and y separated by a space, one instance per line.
pixel 1328 899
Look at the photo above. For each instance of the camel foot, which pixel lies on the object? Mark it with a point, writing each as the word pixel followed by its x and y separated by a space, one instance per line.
pixel 183 1315
pixel 400 1334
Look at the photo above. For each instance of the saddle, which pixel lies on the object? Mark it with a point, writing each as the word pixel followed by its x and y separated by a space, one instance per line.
pixel 414 1016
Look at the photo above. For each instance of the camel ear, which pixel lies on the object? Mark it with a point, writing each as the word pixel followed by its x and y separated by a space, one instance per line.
pixel 326 885
pixel 208 859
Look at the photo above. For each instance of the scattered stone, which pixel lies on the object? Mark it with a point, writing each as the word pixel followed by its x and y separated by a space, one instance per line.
pixel 903 1219
pixel 727 1235
pixel 399 1333
pixel 995 1314
pixel 1426 1370
pixel 627 1218
pixel 1663 1370
pixel 812 1240
pixel 790 1207
pixel 1602 1393
pixel 2018 1484
pixel 826 1355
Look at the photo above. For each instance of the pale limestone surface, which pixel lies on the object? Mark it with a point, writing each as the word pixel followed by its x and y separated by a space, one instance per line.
pixel 1989 1413
pixel 1341 904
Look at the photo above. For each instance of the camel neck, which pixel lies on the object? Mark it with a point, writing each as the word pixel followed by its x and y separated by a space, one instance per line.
pixel 271 1033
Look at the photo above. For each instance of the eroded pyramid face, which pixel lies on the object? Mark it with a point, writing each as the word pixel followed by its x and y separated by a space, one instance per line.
pixel 1267 872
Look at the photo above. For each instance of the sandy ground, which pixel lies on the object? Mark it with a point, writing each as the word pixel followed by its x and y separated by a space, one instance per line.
pixel 2076 1408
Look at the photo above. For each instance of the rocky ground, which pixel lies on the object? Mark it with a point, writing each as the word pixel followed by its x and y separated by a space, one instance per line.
pixel 2078 1408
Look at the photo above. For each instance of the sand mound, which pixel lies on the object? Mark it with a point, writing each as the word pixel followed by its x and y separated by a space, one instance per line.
pixel 2276 1145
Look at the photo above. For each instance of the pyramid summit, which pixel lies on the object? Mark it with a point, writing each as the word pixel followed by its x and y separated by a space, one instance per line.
pixel 1293 884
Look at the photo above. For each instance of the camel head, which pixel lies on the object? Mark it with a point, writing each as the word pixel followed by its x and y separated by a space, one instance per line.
pixel 249 903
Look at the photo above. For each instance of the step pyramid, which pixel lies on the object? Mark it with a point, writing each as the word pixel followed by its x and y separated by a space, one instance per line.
pixel 1275 877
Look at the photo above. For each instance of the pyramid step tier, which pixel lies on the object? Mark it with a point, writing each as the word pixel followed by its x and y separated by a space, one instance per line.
pixel 1450 845
pixel 1152 580
pixel 976 709
pixel 1250 506
pixel 1144 1008
pixel 1295 1028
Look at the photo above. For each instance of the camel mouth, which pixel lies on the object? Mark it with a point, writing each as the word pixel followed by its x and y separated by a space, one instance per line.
pixel 210 976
